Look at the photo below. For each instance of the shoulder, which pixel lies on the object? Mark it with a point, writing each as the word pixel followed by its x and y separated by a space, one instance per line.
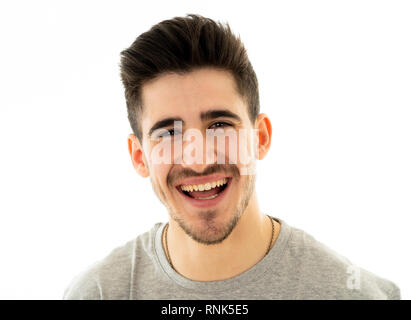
pixel 109 278
pixel 325 274
pixel 84 286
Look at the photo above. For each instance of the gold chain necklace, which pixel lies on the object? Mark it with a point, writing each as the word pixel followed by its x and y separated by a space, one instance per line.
pixel 168 254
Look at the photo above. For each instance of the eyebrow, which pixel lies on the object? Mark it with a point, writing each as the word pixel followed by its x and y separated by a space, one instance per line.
pixel 163 123
pixel 204 116
pixel 218 113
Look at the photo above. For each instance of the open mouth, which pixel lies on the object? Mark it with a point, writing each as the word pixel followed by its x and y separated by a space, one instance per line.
pixel 205 194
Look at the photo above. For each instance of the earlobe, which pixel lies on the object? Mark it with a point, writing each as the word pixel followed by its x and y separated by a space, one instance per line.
pixel 264 129
pixel 137 157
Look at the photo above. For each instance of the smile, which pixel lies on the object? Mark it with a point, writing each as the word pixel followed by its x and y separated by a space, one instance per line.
pixel 205 194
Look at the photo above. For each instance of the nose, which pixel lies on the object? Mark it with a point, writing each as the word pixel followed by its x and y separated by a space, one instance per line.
pixel 194 153
pixel 200 151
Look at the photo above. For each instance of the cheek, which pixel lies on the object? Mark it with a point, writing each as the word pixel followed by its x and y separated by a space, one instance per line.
pixel 160 172
pixel 248 143
pixel 160 153
pixel 223 147
pixel 240 150
pixel 159 161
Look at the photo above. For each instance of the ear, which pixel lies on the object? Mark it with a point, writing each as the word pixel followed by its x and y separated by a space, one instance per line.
pixel 264 131
pixel 137 156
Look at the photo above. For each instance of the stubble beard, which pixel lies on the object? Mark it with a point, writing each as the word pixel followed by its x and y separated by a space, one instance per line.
pixel 211 233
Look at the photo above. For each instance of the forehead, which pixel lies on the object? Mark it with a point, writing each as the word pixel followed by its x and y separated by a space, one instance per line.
pixel 186 96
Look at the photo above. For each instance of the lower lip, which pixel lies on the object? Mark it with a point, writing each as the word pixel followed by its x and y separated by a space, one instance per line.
pixel 208 202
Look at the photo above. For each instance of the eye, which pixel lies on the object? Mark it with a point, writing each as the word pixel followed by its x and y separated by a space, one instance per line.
pixel 220 124
pixel 166 133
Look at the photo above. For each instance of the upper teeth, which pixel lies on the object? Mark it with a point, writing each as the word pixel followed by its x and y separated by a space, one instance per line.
pixel 206 186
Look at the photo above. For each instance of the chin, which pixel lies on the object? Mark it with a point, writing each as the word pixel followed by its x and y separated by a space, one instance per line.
pixel 209 226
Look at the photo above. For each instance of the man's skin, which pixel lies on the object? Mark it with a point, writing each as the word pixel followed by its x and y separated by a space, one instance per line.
pixel 226 239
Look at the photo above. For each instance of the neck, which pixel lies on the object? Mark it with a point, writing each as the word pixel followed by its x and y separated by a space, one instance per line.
pixel 243 248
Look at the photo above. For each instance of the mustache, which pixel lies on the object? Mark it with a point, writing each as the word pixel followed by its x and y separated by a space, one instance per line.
pixel 184 173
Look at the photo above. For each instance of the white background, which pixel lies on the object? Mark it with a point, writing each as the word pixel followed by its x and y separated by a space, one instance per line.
pixel 335 79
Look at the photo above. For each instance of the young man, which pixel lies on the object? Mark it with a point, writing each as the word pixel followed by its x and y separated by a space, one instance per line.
pixel 188 82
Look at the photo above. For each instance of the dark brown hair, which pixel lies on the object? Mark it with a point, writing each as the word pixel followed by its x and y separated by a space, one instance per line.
pixel 181 45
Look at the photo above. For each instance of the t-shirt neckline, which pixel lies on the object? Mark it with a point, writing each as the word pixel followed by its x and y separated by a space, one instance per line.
pixel 258 272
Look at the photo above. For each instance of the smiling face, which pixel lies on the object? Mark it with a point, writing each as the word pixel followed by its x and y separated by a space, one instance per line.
pixel 205 198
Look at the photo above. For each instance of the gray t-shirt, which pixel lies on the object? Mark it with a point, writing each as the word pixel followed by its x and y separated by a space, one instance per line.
pixel 297 267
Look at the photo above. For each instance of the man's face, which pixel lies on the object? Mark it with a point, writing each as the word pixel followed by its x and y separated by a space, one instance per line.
pixel 202 100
